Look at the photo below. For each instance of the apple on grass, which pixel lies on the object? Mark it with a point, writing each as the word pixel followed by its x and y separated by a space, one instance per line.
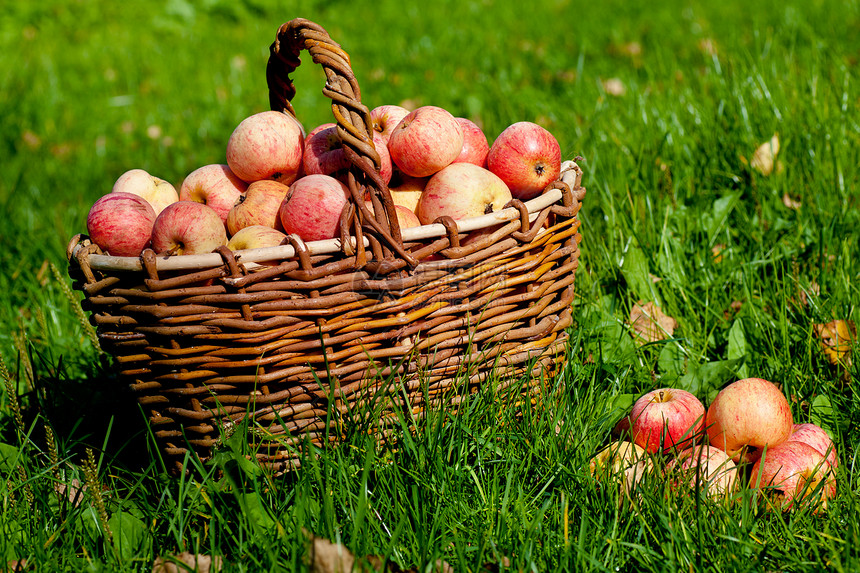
pixel 385 118
pixel 313 206
pixel 664 419
pixel 266 145
pixel 188 228
pixel 461 191
pixel 259 205
pixel 158 192
pixel 214 185
pixel 624 462
pixel 475 146
pixel 706 467
pixel 121 223
pixel 425 141
pixel 746 416
pixel 816 437
pixel 527 158
pixel 793 473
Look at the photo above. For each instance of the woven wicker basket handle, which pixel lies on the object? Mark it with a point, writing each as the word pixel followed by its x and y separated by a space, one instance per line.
pixel 354 126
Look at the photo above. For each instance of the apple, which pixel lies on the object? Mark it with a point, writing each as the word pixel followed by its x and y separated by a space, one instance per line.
pixel 256 237
pixel 624 461
pixel 664 419
pixel 323 153
pixel 792 471
pixel 405 217
pixel 746 416
pixel 816 437
pixel 158 192
pixel 313 206
pixel 120 223
pixel 475 146
pixel 715 471
pixel 460 191
pixel 425 141
pixel 188 228
pixel 259 205
pixel 408 191
pixel 527 157
pixel 266 145
pixel 385 118
pixel 214 185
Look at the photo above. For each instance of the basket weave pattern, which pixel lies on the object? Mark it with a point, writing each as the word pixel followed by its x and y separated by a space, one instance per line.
pixel 303 342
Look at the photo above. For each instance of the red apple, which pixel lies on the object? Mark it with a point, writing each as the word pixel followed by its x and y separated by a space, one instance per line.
pixel 215 186
pixel 158 192
pixel 121 223
pixel 623 461
pixel 746 416
pixel 385 118
pixel 475 146
pixel 527 157
pixel 816 437
pixel 313 206
pixel 716 473
pixel 666 418
pixel 323 153
pixel 266 145
pixel 188 228
pixel 259 205
pixel 793 471
pixel 425 141
pixel 405 217
pixel 460 191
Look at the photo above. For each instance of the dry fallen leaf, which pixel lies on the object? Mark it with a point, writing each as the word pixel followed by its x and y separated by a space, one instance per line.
pixel 708 46
pixel 74 491
pixel 328 557
pixel 791 202
pixel 837 337
pixel 717 252
pixel 649 324
pixel 764 158
pixel 614 86
pixel 185 562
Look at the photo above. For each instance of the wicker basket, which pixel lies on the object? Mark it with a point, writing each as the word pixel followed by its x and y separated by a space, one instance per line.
pixel 301 339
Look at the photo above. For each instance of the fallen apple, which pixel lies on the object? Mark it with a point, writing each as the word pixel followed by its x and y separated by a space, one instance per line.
pixel 667 418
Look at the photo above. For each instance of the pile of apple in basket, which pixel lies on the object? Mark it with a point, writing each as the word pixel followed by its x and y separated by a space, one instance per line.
pixel 279 181
pixel 746 440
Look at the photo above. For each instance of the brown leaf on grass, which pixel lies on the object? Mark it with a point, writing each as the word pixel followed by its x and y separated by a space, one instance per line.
pixel 187 562
pixel 764 159
pixel 17 565
pixel 73 491
pixel 837 338
pixel 649 324
pixel 791 202
pixel 708 46
pixel 327 557
pixel 614 86
pixel 717 252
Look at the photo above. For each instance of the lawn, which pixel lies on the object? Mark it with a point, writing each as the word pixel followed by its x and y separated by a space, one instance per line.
pixel 666 102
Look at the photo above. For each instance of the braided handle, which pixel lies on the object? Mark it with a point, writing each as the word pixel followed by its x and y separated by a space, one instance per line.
pixel 354 127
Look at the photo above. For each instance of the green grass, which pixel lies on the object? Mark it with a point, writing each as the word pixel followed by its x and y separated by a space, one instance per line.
pixel 92 88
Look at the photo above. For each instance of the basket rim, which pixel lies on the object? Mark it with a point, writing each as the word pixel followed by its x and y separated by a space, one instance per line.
pixel 109 263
